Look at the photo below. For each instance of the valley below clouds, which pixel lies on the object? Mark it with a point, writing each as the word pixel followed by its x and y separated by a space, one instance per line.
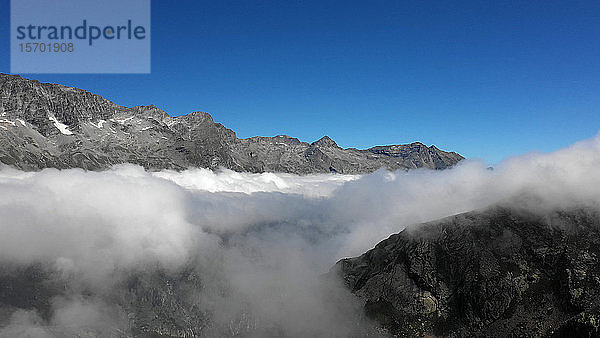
pixel 198 252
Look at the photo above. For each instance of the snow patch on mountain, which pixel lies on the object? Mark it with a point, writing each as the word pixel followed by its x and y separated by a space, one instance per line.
pixel 63 128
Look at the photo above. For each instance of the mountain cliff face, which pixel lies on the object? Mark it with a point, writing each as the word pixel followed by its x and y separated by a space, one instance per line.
pixel 49 125
pixel 499 272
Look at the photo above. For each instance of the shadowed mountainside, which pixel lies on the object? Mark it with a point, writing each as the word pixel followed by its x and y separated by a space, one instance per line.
pixel 499 272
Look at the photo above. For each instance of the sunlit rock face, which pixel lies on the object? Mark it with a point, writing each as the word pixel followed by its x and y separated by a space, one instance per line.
pixel 49 125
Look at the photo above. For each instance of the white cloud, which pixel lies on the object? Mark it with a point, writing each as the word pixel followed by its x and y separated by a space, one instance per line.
pixel 266 236
pixel 225 180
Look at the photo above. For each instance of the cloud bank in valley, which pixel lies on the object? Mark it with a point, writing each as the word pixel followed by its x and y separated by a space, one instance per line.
pixel 259 242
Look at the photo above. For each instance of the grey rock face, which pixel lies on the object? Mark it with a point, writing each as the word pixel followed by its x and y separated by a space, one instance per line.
pixel 49 125
pixel 498 272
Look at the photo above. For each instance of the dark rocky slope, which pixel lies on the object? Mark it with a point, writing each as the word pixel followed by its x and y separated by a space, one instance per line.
pixel 499 272
pixel 49 125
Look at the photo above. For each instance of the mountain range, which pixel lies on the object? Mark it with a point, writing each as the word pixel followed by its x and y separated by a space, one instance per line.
pixel 50 125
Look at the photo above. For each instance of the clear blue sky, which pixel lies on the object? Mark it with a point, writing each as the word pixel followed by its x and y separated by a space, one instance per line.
pixel 487 79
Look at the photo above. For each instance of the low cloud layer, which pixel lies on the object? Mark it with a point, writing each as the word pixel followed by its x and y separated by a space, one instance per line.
pixel 258 242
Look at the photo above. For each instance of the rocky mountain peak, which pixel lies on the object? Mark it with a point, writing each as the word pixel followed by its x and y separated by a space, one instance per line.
pixel 325 141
